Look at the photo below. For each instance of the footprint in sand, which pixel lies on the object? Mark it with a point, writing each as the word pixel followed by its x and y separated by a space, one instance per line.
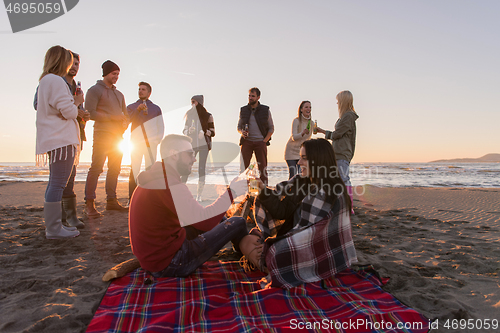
pixel 450 211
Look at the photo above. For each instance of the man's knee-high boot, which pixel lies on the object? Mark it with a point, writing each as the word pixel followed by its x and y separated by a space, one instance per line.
pixel 350 192
pixel 69 206
pixel 63 213
pixel 53 226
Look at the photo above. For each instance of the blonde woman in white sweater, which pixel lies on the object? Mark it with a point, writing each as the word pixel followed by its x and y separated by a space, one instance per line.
pixel 57 136
pixel 300 133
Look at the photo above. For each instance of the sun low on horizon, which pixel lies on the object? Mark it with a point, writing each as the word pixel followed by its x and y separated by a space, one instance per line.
pixel 126 147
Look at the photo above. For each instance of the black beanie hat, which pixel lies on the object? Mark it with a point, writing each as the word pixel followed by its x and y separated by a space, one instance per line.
pixel 108 66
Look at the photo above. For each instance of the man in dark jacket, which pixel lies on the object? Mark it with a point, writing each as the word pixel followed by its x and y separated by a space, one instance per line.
pixel 256 127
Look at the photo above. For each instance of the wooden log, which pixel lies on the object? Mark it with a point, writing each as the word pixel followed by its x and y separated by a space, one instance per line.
pixel 121 269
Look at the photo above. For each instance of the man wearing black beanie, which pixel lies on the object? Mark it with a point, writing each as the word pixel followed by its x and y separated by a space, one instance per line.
pixel 108 109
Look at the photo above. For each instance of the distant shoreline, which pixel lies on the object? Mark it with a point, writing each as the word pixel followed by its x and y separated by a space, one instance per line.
pixel 488 158
pixel 462 161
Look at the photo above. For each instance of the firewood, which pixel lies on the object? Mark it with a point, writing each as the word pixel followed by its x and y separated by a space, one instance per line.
pixel 121 269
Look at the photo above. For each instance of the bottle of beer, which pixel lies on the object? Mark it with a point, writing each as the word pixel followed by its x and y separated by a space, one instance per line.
pixel 79 91
pixel 78 88
pixel 253 176
pixel 315 128
pixel 309 125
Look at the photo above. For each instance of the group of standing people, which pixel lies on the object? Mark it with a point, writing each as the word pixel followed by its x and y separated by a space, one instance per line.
pixel 112 116
pixel 60 123
pixel 256 128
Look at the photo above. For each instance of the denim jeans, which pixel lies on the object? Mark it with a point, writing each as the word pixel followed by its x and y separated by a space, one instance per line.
pixel 60 172
pixel 194 252
pixel 202 164
pixel 344 171
pixel 105 146
pixel 293 168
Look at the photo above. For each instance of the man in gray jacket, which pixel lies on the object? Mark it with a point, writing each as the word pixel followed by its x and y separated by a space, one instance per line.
pixel 108 109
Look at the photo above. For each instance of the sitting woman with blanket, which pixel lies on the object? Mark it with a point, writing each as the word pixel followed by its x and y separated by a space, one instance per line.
pixel 304 223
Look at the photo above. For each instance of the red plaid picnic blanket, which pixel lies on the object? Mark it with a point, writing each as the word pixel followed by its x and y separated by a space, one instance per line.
pixel 221 297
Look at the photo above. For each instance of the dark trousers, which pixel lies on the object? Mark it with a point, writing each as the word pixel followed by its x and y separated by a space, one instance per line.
pixel 105 146
pixel 202 164
pixel 260 150
pixel 198 247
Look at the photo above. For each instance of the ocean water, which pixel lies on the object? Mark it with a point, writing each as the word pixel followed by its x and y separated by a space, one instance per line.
pixel 376 174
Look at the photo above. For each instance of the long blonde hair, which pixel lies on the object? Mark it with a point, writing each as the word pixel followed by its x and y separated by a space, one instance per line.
pixel 345 101
pixel 57 61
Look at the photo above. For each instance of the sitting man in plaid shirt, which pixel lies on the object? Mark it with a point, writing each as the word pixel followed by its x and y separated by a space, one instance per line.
pixel 315 240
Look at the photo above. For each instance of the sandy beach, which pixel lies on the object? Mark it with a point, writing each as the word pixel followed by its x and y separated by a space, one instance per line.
pixel 439 246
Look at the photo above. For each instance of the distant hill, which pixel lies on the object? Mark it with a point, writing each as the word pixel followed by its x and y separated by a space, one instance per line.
pixel 492 158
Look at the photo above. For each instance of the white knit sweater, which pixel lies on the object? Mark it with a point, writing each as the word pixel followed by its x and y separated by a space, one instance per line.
pixel 292 148
pixel 54 99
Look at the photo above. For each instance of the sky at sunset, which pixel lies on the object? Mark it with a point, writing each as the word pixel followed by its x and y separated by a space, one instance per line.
pixel 425 75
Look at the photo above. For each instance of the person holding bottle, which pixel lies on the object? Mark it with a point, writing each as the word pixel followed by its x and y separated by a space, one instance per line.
pixel 69 202
pixel 301 131
pixel 200 128
pixel 146 133
pixel 57 136
pixel 255 124
pixel 344 137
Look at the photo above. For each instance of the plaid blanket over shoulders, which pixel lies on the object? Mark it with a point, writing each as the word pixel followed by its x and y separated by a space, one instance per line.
pixel 318 247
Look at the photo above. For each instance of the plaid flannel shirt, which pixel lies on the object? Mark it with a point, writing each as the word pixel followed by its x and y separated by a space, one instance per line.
pixel 318 247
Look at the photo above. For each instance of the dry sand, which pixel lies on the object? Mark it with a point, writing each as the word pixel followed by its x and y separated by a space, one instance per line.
pixel 439 246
